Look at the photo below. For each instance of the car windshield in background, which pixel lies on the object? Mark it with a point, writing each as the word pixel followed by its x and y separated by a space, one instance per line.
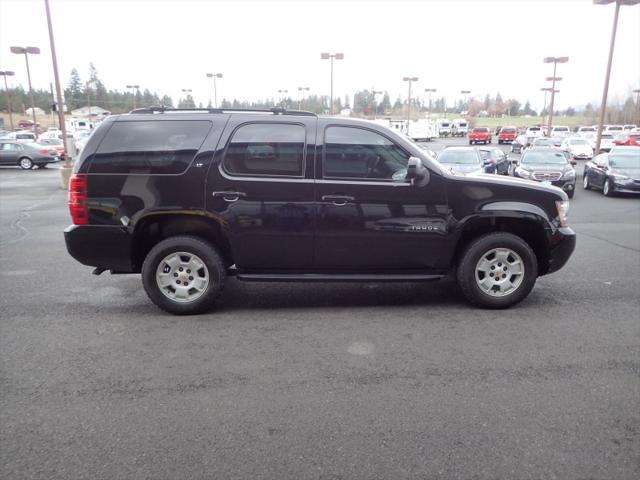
pixel 465 157
pixel 543 142
pixel 625 161
pixel 480 130
pixel 553 158
pixel 578 141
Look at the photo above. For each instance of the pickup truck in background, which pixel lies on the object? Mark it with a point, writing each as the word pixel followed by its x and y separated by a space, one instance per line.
pixel 507 134
pixel 480 134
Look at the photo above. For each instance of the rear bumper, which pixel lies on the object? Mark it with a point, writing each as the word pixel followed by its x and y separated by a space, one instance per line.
pixel 108 247
pixel 562 243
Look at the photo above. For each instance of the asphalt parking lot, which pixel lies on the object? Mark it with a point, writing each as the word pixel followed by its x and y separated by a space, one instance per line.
pixel 316 381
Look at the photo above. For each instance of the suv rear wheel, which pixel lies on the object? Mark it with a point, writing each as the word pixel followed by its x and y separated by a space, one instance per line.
pixel 183 275
pixel 497 270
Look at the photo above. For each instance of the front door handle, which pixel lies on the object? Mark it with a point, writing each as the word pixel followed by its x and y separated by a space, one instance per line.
pixel 338 199
pixel 229 196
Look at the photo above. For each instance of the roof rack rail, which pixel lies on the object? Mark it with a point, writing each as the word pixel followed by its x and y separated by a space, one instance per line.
pixel 275 111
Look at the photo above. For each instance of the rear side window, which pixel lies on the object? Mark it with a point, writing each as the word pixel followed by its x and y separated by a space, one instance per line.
pixel 150 147
pixel 271 149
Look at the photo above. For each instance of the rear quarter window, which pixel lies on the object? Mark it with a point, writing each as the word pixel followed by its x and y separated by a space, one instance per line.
pixel 150 147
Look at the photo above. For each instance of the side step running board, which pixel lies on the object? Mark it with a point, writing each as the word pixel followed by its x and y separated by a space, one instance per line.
pixel 336 277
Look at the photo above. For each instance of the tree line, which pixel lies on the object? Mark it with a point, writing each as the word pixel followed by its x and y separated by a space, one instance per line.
pixel 366 103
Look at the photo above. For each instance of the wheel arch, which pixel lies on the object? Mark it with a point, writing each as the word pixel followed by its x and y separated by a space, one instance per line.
pixel 529 226
pixel 153 228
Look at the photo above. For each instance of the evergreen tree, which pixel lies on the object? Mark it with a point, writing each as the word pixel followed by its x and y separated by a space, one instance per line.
pixel 73 93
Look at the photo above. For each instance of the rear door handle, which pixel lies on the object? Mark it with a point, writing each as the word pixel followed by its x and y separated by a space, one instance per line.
pixel 338 199
pixel 229 196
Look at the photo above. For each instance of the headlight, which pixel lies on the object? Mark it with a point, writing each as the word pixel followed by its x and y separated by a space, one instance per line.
pixel 522 172
pixel 569 174
pixel 617 177
pixel 563 209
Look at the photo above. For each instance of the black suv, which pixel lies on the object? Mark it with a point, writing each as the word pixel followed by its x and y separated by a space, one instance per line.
pixel 188 198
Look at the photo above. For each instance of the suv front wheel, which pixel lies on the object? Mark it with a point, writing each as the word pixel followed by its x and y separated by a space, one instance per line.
pixel 497 270
pixel 183 275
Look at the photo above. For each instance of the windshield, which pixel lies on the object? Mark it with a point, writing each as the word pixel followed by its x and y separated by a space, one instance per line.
pixel 624 161
pixel 480 130
pixel 551 158
pixel 561 129
pixel 466 157
pixel 543 142
pixel 508 130
pixel 587 129
pixel 578 141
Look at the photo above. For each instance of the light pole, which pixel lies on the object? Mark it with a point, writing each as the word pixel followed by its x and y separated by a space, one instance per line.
pixel 26 51
pixel 603 104
pixel 65 171
pixel 554 79
pixel 410 80
pixel 430 91
pixel 6 88
pixel 302 89
pixel 135 93
pixel 215 88
pixel 545 90
pixel 373 101
pixel 331 56
pixel 282 92
pixel 466 100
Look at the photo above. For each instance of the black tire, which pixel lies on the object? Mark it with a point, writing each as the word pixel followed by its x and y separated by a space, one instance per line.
pixel 465 274
pixel 571 193
pixel 189 244
pixel 607 188
pixel 25 163
pixel 585 180
pixel 470 142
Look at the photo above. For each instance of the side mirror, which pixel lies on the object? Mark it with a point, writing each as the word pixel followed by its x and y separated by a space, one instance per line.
pixel 416 171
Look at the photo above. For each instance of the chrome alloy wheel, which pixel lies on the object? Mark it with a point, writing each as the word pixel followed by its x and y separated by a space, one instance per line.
pixel 499 272
pixel 182 277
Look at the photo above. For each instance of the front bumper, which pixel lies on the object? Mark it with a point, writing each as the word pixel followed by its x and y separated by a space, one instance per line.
pixel 562 243
pixel 108 247
pixel 626 186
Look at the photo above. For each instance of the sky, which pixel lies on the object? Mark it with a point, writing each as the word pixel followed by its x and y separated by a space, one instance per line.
pixel 261 47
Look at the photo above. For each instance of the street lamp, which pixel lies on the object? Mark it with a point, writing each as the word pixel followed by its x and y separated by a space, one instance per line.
pixel 466 101
pixel 26 51
pixel 603 104
pixel 373 101
pixel 410 80
pixel 430 91
pixel 282 92
pixel 6 87
pixel 135 94
pixel 215 89
pixel 302 89
pixel 545 90
pixel 554 79
pixel 331 56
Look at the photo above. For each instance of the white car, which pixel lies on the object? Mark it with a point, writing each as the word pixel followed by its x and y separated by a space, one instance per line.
pixel 534 132
pixel 578 148
pixel 560 131
pixel 49 134
pixel 82 139
pixel 606 142
pixel 612 129
pixel 630 127
pixel 22 136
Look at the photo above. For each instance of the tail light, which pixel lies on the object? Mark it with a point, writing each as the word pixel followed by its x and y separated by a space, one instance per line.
pixel 44 151
pixel 78 199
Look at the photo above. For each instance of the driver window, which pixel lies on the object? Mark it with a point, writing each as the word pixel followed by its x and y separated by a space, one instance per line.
pixel 355 153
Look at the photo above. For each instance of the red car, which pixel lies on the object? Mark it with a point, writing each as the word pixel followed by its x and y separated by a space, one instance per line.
pixel 54 143
pixel 25 123
pixel 507 134
pixel 630 139
pixel 480 134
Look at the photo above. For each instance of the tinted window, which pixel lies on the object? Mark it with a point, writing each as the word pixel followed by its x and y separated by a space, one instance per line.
pixel 466 157
pixel 480 130
pixel 10 146
pixel 275 149
pixel 358 153
pixel 150 146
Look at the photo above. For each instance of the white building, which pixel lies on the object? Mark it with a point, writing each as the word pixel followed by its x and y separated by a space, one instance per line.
pixel 90 111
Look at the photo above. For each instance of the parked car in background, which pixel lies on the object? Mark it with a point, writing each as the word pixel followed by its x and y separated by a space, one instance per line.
pixel 543 142
pixel 534 132
pixel 444 127
pixel 22 136
pixel 612 128
pixel 53 143
pixel 25 124
pixel 480 134
pixel 519 144
pixel 419 131
pixel 83 137
pixel 459 127
pixel 578 148
pixel 614 172
pixel 583 130
pixel 507 134
pixel 557 140
pixel 560 131
pixel 606 142
pixel 462 160
pixel 495 161
pixel 26 155
pixel 50 134
pixel 547 165
pixel 629 127
pixel 629 138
